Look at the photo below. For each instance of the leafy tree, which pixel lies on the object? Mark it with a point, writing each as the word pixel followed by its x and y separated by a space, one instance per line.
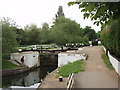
pixel 90 33
pixel 30 27
pixel 65 31
pixel 34 35
pixel 44 36
pixel 31 35
pixel 60 12
pixel 19 33
pixel 9 42
pixel 8 21
pixel 101 12
pixel 107 14
pixel 45 26
pixel 85 40
pixel 98 35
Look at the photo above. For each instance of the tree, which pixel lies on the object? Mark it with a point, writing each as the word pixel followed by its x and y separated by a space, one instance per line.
pixel 19 33
pixel 101 12
pixel 9 42
pixel 31 34
pixel 85 40
pixel 90 33
pixel 65 31
pixel 44 36
pixel 60 12
pixel 98 35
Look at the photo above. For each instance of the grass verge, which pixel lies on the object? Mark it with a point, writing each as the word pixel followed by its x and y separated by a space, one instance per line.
pixel 107 61
pixel 8 65
pixel 75 67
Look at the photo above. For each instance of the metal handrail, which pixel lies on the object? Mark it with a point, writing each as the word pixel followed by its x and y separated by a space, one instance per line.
pixel 70 81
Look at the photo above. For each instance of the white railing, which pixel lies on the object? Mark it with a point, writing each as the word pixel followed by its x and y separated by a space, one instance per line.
pixel 115 63
pixel 70 83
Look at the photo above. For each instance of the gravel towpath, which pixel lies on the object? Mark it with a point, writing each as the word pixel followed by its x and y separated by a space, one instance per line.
pixel 96 74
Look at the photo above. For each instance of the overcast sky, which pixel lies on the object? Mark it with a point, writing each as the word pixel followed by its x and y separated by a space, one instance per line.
pixel 25 12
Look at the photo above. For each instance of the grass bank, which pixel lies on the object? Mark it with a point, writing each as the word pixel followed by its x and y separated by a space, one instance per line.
pixel 107 61
pixel 75 67
pixel 8 65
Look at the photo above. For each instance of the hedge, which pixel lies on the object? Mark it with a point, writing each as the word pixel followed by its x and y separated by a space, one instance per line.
pixel 110 37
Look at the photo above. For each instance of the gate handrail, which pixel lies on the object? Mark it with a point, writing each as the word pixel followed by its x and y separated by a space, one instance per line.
pixel 70 81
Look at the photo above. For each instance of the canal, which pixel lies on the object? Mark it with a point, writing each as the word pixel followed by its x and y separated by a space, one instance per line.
pixel 48 63
pixel 28 78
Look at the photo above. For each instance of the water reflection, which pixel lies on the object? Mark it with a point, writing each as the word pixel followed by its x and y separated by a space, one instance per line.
pixel 28 78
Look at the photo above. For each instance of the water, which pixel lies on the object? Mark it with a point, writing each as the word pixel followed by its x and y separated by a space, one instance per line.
pixel 27 79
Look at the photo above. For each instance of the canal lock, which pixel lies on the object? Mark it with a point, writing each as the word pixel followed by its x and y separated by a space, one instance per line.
pixel 48 63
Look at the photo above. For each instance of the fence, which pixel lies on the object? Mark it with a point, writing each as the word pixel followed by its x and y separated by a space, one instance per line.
pixel 115 63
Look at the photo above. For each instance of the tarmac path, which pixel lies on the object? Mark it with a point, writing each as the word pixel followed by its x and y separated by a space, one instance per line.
pixel 96 74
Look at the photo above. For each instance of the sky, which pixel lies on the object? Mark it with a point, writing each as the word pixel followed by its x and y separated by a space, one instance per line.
pixel 25 12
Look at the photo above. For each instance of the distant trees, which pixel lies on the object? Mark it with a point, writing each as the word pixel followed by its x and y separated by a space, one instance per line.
pixel 44 36
pixel 98 35
pixel 29 35
pixel 34 35
pixel 65 31
pixel 61 32
pixel 60 12
pixel 90 33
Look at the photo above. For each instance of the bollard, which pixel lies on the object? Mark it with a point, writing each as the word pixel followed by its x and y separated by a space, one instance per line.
pixel 60 79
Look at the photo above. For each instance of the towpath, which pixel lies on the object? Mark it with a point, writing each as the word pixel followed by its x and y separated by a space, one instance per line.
pixel 51 81
pixel 96 74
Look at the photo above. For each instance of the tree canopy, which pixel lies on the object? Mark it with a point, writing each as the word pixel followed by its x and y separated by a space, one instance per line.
pixel 90 33
pixel 63 31
pixel 66 31
pixel 101 12
pixel 9 36
pixel 60 12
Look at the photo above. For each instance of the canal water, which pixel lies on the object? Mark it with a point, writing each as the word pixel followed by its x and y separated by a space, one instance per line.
pixel 27 79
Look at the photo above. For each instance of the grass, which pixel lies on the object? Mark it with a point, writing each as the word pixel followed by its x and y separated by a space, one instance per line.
pixel 8 65
pixel 107 61
pixel 75 67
